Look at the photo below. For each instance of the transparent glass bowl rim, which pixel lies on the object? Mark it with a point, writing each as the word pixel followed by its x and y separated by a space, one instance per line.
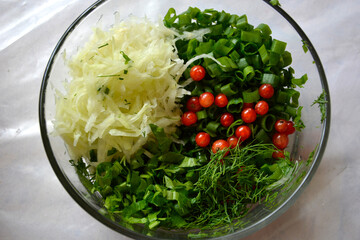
pixel 106 221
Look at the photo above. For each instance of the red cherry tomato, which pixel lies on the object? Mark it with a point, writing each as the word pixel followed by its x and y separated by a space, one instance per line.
pixel 280 140
pixel 221 100
pixel 243 132
pixel 281 126
pixel 261 107
pixel 197 72
pixel 226 119
pixel 278 154
pixel 220 145
pixel 189 118
pixel 266 91
pixel 233 141
pixel 202 139
pixel 248 115
pixel 206 99
pixel 248 105
pixel 290 128
pixel 193 104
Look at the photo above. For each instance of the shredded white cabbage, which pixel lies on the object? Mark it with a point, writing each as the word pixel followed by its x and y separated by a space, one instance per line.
pixel 122 80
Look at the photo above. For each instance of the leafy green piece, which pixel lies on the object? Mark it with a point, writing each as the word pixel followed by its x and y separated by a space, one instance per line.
pixel 305 46
pixel 163 141
pixel 126 57
pixel 275 3
pixel 300 81
pixel 298 123
pixel 321 101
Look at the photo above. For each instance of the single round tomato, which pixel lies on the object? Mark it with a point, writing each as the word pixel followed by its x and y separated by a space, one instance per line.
pixel 280 140
pixel 281 126
pixel 248 115
pixel 290 128
pixel 189 118
pixel 261 107
pixel 219 145
pixel 266 91
pixel 221 100
pixel 193 104
pixel 202 139
pixel 243 132
pixel 197 72
pixel 248 105
pixel 278 154
pixel 206 99
pixel 233 141
pixel 226 119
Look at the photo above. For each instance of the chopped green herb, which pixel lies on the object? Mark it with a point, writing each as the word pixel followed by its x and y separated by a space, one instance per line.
pixel 104 45
pixel 125 71
pixel 305 46
pixel 275 3
pixel 107 90
pixel 321 101
pixel 111 75
pixel 126 57
pixel 120 78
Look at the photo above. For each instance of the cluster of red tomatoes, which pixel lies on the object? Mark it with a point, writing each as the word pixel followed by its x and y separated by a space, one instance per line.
pixel 248 115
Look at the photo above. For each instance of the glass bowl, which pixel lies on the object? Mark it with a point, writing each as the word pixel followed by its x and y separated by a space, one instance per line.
pixel 312 139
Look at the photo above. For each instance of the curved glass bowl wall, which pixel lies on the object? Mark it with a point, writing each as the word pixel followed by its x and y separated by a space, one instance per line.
pixel 103 14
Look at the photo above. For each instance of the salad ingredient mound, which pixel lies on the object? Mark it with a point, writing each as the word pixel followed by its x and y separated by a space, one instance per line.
pixel 122 80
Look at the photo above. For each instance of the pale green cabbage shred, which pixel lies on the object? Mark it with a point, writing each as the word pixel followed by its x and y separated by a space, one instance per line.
pixel 99 112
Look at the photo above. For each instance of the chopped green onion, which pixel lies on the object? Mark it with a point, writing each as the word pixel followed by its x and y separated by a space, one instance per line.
pixel 251 96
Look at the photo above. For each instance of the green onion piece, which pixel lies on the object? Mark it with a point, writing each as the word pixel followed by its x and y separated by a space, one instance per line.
pixel 294 97
pixel 216 30
pixel 251 37
pixel 251 96
pixel 228 89
pixel 258 75
pixel 270 79
pixel 249 49
pixel 223 17
pixel 279 108
pixel 233 19
pixel 231 129
pixel 239 75
pixel 170 17
pixel 184 19
pixel 211 112
pixel 217 88
pixel 222 47
pixel 265 56
pixel 287 58
pixel 197 91
pixel 201 114
pixel 265 30
pixel 267 122
pixel 242 63
pixel 290 110
pixel 214 70
pixel 192 45
pixel 229 31
pixel 262 136
pixel 249 73
pixel 211 128
pixel 300 81
pixel 282 97
pixel 274 59
pixel 234 55
pixel 235 105
pixel 256 61
pixel 278 46
pixel 228 64
pixel 242 22
pixel 205 47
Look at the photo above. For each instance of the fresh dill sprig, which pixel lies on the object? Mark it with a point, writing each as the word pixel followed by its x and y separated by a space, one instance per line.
pixel 321 101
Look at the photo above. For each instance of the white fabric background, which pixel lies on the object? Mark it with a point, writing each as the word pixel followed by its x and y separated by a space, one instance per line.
pixel 33 203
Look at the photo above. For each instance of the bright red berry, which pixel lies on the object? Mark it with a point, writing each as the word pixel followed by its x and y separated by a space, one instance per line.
pixel 261 107
pixel 221 100
pixel 290 128
pixel 266 91
pixel 202 139
pixel 248 115
pixel 193 104
pixel 219 145
pixel 280 140
pixel 189 118
pixel 243 132
pixel 278 154
pixel 197 72
pixel 233 141
pixel 226 119
pixel 281 126
pixel 206 99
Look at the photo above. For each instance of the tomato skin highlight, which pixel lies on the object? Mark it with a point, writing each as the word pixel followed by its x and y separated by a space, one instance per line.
pixel 197 73
pixel 243 132
pixel 219 145
pixel 206 99
pixel 233 141
pixel 202 139
pixel 193 104
pixel 290 128
pixel 221 100
pixel 189 118
pixel 248 115
pixel 226 119
pixel 280 140
pixel 281 126
pixel 266 91
pixel 261 107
